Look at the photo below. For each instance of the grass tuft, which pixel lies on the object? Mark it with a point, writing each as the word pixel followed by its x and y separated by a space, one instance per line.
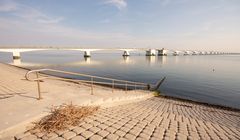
pixel 62 117
pixel 156 93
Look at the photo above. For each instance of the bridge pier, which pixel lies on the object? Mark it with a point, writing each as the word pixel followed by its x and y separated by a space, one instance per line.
pixel 195 53
pixel 176 53
pixel 151 52
pixel 16 55
pixel 162 52
pixel 87 54
pixel 186 53
pixel 126 53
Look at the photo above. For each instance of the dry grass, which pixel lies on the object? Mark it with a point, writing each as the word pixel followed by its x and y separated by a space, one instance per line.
pixel 62 117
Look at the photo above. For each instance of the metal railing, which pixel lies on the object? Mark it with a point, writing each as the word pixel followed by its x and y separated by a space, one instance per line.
pixel 97 80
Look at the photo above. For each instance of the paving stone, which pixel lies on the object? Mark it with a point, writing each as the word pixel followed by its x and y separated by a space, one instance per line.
pixel 145 136
pixel 156 138
pixel 112 137
pixel 125 129
pixel 39 134
pixel 120 133
pixel 108 123
pixel 95 123
pixel 88 120
pixel 135 132
pixel 103 133
pixel 130 136
pixel 72 127
pixel 129 125
pixel 94 129
pixel 122 139
pixel 86 134
pixel 158 118
pixel 86 126
pixel 60 132
pixel 111 129
pixel 78 138
pixel 21 135
pixel 48 136
pixel 29 137
pixel 117 126
pixel 78 130
pixel 102 126
pixel 59 138
pixel 140 138
pixel 147 131
pixel 96 137
pixel 69 135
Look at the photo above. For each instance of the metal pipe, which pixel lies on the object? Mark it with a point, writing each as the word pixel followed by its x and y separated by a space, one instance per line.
pixel 38 85
pixel 79 74
pixel 112 85
pixel 115 82
pixel 135 87
pixel 92 86
pixel 126 87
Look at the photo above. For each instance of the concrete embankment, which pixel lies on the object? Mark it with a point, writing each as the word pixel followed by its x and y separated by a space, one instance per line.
pixel 156 118
pixel 19 105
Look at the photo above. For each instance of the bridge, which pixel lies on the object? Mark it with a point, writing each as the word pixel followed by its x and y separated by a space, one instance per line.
pixel 16 52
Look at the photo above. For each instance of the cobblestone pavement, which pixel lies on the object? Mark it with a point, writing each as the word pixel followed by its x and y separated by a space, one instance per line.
pixel 156 118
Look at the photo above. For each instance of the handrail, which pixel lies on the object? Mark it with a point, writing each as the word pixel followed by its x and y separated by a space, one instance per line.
pixel 113 83
pixel 78 74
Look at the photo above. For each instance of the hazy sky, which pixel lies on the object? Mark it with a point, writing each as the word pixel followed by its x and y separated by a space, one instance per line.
pixel 173 24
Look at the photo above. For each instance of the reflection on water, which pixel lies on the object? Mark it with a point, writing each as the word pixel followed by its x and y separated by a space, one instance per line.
pixel 87 60
pixel 190 77
pixel 127 60
pixel 162 59
pixel 17 62
pixel 176 58
pixel 151 60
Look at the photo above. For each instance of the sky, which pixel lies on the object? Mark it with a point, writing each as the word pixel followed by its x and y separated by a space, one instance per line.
pixel 172 24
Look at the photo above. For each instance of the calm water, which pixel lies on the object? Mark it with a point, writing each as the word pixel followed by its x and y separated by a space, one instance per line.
pixel 190 77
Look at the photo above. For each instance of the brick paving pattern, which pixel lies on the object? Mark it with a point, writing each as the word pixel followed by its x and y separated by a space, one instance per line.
pixel 156 118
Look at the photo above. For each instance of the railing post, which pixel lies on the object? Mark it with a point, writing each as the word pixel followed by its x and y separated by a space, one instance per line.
pixel 112 85
pixel 135 87
pixel 126 87
pixel 39 90
pixel 91 85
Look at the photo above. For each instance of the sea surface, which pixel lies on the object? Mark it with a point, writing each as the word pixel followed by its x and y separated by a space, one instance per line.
pixel 213 79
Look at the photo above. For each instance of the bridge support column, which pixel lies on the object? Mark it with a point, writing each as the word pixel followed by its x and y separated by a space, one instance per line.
pixel 194 53
pixel 186 53
pixel 16 55
pixel 126 53
pixel 162 52
pixel 176 53
pixel 87 54
pixel 151 52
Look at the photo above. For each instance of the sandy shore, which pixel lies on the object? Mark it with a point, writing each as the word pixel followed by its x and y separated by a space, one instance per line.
pixel 19 107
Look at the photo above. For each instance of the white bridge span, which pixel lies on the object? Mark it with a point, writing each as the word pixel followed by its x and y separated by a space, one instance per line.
pixel 126 51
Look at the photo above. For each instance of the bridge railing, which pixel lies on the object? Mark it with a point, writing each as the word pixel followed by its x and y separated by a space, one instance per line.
pixel 91 80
